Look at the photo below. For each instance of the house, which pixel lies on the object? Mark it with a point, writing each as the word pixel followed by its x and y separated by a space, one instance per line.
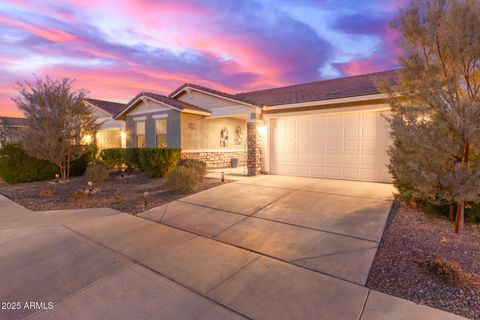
pixel 112 132
pixel 10 129
pixel 110 135
pixel 330 128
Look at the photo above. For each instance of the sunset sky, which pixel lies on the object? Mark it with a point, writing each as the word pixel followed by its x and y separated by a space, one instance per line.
pixel 116 48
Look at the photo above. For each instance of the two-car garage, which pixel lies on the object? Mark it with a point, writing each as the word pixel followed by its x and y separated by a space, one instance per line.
pixel 340 145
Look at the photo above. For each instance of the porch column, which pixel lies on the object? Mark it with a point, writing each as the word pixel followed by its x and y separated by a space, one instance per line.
pixel 254 148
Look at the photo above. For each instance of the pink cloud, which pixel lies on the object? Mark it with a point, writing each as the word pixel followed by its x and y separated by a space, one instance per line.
pixel 44 32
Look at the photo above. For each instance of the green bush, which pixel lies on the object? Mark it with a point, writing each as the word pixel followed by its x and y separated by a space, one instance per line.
pixel 113 158
pixel 155 162
pixel 96 173
pixel 183 180
pixel 198 165
pixel 18 167
pixel 78 166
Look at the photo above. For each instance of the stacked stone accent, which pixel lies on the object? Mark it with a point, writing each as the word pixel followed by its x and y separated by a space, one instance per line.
pixel 215 159
pixel 255 149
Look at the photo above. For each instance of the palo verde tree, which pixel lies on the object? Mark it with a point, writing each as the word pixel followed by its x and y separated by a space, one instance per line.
pixel 58 121
pixel 435 115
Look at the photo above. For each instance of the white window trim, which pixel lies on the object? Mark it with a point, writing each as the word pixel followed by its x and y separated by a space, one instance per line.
pixel 166 128
pixel 140 119
pixel 160 116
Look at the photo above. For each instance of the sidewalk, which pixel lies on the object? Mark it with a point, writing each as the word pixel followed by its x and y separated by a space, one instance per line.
pixel 105 264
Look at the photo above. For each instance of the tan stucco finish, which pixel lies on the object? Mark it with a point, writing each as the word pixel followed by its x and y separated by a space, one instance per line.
pixel 198 132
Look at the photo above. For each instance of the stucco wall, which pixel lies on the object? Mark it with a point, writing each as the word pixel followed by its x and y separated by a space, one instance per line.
pixel 198 132
pixel 173 129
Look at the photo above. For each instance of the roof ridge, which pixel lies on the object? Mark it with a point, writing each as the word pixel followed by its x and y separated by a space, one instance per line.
pixel 318 81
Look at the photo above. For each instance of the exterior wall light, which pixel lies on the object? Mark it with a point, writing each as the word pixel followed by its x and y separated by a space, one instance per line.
pixel 262 130
pixel 123 139
pixel 87 139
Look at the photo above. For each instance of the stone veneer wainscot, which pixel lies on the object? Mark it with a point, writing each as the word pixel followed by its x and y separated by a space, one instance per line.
pixel 216 159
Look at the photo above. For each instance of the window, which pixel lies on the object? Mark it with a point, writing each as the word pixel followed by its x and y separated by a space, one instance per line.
pixel 140 132
pixel 161 132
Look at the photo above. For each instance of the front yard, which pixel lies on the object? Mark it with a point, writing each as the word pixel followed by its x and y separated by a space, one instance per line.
pixel 124 194
pixel 410 237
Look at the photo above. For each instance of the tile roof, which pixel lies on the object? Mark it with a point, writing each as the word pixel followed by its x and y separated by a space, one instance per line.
pixel 14 122
pixel 112 108
pixel 209 90
pixel 164 99
pixel 319 90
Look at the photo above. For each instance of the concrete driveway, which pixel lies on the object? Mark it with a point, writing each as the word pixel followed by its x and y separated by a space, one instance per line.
pixel 330 226
pixel 264 248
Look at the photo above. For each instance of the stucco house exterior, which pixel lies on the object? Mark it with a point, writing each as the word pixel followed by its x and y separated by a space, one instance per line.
pixel 112 132
pixel 10 129
pixel 330 128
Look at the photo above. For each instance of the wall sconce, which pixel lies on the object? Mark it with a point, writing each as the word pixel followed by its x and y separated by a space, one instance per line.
pixel 87 139
pixel 262 130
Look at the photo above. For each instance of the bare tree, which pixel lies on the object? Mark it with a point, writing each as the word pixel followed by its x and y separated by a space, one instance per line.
pixel 59 124
pixel 436 104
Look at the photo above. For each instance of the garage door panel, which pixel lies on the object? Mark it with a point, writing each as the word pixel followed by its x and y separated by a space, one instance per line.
pixel 303 158
pixel 350 160
pixel 304 145
pixel 333 172
pixel 338 145
pixel 333 146
pixel 350 146
pixel 350 173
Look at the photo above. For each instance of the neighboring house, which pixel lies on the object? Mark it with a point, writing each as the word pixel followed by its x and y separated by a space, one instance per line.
pixel 10 129
pixel 331 128
pixel 112 132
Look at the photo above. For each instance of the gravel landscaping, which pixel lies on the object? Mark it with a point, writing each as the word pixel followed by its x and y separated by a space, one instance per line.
pixel 124 194
pixel 411 237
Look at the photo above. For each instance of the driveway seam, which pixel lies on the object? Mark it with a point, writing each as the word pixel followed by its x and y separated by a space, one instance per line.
pixel 232 275
pixel 315 229
pixel 258 253
pixel 331 254
pixel 130 264
pixel 313 191
pixel 364 304
pixel 164 211
pixel 251 215
pixel 161 274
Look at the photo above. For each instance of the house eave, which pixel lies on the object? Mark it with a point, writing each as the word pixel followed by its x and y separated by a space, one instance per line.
pixel 186 88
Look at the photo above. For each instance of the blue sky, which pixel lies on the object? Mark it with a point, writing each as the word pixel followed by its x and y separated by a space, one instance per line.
pixel 116 49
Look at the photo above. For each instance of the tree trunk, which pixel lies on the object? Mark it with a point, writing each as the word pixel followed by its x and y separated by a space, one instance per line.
pixel 68 165
pixel 450 213
pixel 459 217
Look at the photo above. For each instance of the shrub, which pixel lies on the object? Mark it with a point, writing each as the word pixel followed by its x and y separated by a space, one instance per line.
pixel 157 162
pixel 198 165
pixel 96 173
pixel 78 196
pixel 79 166
pixel 113 158
pixel 448 271
pixel 18 167
pixel 183 180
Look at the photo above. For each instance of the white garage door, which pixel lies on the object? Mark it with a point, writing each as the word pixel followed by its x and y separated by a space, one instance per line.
pixel 350 145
